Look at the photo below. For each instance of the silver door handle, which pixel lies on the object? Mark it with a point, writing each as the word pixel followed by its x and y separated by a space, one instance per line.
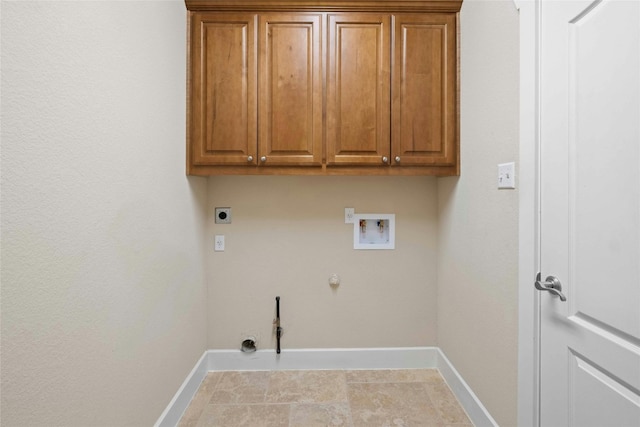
pixel 551 284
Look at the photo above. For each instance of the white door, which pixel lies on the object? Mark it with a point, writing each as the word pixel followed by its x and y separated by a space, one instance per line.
pixel 590 212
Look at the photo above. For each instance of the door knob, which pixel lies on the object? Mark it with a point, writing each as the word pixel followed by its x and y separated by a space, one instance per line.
pixel 385 159
pixel 397 159
pixel 263 158
pixel 250 159
pixel 551 284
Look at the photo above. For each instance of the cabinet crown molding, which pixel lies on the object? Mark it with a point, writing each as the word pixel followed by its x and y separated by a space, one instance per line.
pixel 326 6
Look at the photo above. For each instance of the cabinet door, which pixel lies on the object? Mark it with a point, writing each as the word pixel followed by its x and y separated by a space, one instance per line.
pixel 358 89
pixel 290 90
pixel 223 77
pixel 424 118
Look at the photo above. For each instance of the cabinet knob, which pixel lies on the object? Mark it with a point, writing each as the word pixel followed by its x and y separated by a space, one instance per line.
pixel 263 158
pixel 385 159
pixel 397 159
pixel 250 159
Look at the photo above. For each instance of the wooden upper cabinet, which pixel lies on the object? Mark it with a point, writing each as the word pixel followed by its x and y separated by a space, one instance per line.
pixel 424 118
pixel 332 87
pixel 290 94
pixel 358 89
pixel 223 83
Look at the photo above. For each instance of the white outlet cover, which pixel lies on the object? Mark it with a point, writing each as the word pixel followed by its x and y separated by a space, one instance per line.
pixel 219 243
pixel 507 175
pixel 349 213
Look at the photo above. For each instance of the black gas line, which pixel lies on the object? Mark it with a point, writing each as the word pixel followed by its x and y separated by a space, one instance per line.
pixel 277 323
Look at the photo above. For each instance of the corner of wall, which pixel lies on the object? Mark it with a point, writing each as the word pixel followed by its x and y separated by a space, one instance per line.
pixel 478 224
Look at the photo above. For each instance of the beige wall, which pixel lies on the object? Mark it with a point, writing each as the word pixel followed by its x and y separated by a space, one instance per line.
pixel 105 244
pixel 478 224
pixel 288 236
pixel 103 293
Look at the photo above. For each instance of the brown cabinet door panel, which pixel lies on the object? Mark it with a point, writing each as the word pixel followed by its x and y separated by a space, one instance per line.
pixel 358 89
pixel 424 122
pixel 290 89
pixel 223 77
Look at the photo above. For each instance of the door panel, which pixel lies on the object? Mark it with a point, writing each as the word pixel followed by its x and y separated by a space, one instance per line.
pixel 358 89
pixel 597 394
pixel 603 162
pixel 223 107
pixel 590 212
pixel 424 130
pixel 290 89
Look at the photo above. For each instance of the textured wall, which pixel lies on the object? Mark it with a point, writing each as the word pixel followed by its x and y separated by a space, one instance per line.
pixel 104 307
pixel 103 293
pixel 478 224
pixel 288 236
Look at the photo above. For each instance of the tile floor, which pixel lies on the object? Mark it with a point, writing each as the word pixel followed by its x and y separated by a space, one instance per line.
pixel 404 397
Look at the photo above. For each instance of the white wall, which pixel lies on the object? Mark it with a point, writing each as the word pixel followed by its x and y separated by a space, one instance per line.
pixel 478 224
pixel 103 293
pixel 288 236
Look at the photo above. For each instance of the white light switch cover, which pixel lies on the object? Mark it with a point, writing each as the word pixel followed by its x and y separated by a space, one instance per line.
pixel 507 175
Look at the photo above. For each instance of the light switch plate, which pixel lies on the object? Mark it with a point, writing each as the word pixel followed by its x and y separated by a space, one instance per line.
pixel 507 175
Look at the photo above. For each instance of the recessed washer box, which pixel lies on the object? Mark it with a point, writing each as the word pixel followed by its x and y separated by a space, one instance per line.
pixel 223 215
pixel 374 231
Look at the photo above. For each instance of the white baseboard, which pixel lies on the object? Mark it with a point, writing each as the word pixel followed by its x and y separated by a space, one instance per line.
pixel 323 359
pixel 467 398
pixel 326 359
pixel 174 411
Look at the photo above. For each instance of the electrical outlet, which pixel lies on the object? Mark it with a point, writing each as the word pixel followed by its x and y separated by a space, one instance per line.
pixel 223 215
pixel 218 245
pixel 349 213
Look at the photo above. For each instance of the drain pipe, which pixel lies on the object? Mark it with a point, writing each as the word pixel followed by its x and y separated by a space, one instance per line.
pixel 248 345
pixel 277 323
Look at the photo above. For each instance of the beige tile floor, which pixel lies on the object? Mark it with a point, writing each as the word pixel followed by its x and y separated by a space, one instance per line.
pixel 405 397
